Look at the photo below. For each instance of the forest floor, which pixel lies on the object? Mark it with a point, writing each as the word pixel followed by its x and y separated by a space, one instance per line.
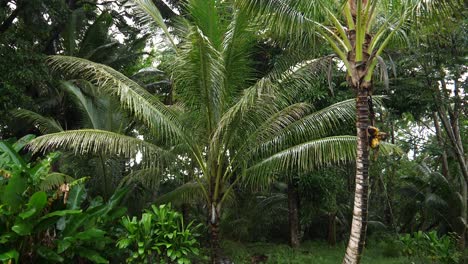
pixel 307 253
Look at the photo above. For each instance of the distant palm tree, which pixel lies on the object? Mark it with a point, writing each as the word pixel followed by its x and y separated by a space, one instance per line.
pixel 96 111
pixel 234 129
pixel 366 28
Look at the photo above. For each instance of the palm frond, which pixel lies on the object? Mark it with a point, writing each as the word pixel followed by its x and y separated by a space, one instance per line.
pixel 286 17
pixel 315 125
pixel 387 149
pixel 237 47
pixel 206 16
pixel 263 130
pixel 96 35
pixel 54 180
pixel 148 14
pixel 22 142
pixel 45 124
pixel 303 157
pixel 308 156
pixel 92 111
pixel 268 96
pixel 436 202
pixel 297 79
pixel 199 77
pixel 146 107
pixel 97 141
pixel 191 192
pixel 257 104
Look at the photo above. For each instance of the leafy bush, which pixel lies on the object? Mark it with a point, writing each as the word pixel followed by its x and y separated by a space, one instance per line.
pixel 430 248
pixel 43 215
pixel 27 191
pixel 158 237
pixel 86 235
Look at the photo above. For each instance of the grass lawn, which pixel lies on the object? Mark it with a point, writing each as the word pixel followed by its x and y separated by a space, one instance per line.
pixel 309 252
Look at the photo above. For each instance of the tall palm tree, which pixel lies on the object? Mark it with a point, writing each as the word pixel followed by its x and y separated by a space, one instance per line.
pixel 234 129
pixel 366 28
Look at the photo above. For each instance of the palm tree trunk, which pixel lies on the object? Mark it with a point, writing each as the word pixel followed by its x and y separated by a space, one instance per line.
pixel 293 211
pixel 359 223
pixel 214 235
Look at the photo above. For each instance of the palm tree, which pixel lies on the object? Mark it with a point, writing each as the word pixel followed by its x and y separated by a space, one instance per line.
pixel 97 111
pixel 358 40
pixel 232 133
pixel 430 201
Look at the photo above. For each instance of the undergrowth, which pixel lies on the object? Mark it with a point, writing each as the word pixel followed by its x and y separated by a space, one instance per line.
pixel 308 252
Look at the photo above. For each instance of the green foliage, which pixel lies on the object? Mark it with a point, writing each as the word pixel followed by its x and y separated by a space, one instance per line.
pixel 34 223
pixel 430 247
pixel 20 177
pixel 390 248
pixel 159 237
pixel 87 234
pixel 25 211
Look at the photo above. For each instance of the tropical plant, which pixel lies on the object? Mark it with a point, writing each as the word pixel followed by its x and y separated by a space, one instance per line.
pixel 234 130
pixel 87 234
pixel 428 200
pixel 20 226
pixel 28 190
pixel 92 107
pixel 159 236
pixel 34 223
pixel 430 247
pixel 367 27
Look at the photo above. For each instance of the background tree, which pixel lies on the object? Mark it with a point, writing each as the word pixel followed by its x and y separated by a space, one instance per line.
pixel 33 29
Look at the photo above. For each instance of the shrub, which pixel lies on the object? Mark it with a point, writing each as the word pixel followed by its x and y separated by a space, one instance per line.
pixel 158 237
pixel 43 217
pixel 430 248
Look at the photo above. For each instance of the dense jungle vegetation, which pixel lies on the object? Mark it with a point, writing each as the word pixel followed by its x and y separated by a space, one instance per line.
pixel 233 131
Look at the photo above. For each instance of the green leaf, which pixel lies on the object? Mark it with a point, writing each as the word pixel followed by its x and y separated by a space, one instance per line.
pixel 93 233
pixel 36 203
pixel 103 210
pixel 92 255
pixel 12 193
pixel 13 154
pixel 76 197
pixel 74 222
pixel 60 213
pixel 117 212
pixel 144 105
pixel 124 242
pixel 20 143
pixel 23 228
pixel 12 254
pixel 51 219
pixel 64 244
pixel 6 238
pixel 49 254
